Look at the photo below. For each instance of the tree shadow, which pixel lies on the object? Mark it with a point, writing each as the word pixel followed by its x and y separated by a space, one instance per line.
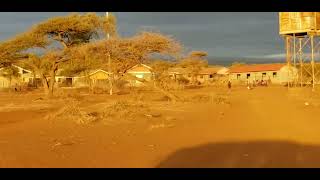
pixel 254 154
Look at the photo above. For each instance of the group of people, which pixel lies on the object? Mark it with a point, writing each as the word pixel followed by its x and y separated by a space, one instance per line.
pixel 253 84
pixel 258 83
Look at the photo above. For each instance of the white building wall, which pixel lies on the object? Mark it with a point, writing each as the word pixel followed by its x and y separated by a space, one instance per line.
pixel 4 82
pixel 288 74
pixel 281 77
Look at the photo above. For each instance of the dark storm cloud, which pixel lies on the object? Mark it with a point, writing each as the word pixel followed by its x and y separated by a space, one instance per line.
pixel 222 34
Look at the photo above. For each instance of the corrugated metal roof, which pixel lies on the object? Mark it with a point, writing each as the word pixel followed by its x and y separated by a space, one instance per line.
pixel 256 68
pixel 140 68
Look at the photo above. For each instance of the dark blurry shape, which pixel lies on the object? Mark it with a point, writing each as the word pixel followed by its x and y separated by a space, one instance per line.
pixel 254 154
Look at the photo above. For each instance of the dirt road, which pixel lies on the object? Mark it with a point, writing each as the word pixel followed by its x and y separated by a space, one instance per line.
pixel 263 127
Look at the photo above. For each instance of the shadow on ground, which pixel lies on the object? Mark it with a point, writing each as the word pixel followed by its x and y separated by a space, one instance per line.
pixel 264 154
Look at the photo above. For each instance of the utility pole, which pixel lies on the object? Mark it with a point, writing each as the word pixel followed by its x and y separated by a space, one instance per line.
pixel 107 15
pixel 109 63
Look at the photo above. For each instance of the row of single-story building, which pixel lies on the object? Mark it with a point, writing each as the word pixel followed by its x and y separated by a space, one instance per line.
pixel 84 79
pixel 274 73
pixel 205 75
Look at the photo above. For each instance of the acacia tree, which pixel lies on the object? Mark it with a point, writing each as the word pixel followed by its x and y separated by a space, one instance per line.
pixel 160 69
pixel 194 62
pixel 14 49
pixel 56 36
pixel 127 52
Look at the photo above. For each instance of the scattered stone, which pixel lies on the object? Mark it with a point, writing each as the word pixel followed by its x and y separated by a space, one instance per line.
pixel 93 114
pixel 153 115
pixel 169 118
pixel 38 99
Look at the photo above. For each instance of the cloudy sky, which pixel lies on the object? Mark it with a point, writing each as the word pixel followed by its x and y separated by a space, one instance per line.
pixel 221 34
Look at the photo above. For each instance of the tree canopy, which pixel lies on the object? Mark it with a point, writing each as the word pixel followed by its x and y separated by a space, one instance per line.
pixel 127 52
pixel 70 30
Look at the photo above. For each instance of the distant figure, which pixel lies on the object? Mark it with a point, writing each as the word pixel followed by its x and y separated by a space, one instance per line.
pixel 15 87
pixel 229 85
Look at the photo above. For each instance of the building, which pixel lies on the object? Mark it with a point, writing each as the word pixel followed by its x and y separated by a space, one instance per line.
pixel 177 73
pixel 99 77
pixel 140 71
pixel 274 73
pixel 223 71
pixel 25 77
pixel 210 74
pixel 204 76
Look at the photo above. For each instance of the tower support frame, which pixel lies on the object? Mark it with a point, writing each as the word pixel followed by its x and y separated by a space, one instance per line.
pixel 303 54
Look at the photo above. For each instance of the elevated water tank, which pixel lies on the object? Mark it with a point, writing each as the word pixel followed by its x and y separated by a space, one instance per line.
pixel 299 22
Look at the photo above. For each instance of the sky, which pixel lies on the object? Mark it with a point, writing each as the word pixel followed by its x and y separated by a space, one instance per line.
pixel 221 34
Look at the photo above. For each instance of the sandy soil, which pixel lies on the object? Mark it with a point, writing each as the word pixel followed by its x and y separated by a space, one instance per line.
pixel 263 127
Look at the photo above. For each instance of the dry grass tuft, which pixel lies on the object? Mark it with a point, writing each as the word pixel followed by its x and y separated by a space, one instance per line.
pixel 209 98
pixel 72 111
pixel 68 94
pixel 124 110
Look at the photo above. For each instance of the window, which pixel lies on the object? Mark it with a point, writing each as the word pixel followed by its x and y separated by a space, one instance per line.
pixel 274 74
pixel 264 75
pixel 139 76
pixel 248 76
pixel 238 76
pixel 210 76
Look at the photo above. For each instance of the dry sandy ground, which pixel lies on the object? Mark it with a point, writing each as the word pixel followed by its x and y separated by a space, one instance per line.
pixel 263 127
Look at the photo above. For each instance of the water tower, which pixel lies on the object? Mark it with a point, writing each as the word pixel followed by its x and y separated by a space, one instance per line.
pixel 301 31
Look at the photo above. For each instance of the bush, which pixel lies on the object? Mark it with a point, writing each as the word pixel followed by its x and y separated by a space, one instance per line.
pixel 68 93
pixel 124 110
pixel 72 111
pixel 120 84
pixel 183 80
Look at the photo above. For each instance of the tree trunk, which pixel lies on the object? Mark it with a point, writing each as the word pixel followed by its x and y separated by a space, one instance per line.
pixel 51 86
pixel 10 84
pixel 45 84
pixel 52 81
pixel 34 83
pixel 110 84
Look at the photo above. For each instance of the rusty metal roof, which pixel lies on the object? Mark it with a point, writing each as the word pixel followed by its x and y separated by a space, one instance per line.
pixel 256 68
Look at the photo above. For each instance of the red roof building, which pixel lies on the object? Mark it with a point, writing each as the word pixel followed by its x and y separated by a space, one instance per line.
pixel 275 73
pixel 256 68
